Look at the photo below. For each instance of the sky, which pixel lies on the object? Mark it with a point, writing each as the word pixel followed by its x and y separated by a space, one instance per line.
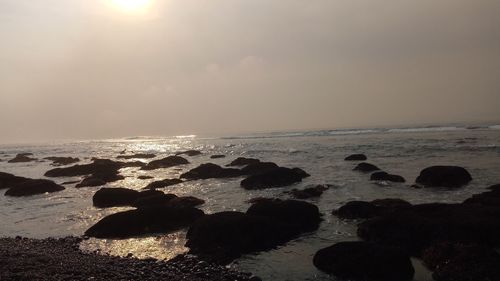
pixel 82 69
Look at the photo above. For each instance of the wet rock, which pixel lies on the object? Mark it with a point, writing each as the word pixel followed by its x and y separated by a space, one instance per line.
pixel 21 158
pixel 104 169
pixel 137 156
pixel 163 183
pixel 356 157
pixel 114 197
pixel 242 161
pixel 62 161
pixel 186 201
pixel 33 187
pixel 170 161
pixel 217 156
pixel 69 182
pixel 209 170
pixel 142 221
pixel 364 261
pixel 189 153
pixel 391 203
pixel 383 176
pixel 444 176
pixel 145 177
pixel 494 187
pixel 278 177
pixel 309 192
pixel 91 182
pixel 418 227
pixel 462 262
pixel 366 167
pixel 222 237
pixel 153 200
pixel 365 210
pixel 258 168
pixel 490 198
pixel 8 180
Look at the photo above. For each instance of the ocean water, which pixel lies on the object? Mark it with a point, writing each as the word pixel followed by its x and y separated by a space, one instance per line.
pixel 402 151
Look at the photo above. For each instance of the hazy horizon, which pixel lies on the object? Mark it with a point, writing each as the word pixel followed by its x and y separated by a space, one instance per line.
pixel 95 69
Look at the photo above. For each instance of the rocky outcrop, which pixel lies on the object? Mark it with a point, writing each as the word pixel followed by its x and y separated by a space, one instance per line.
pixel 356 157
pixel 163 183
pixel 33 187
pixel 210 171
pixel 278 177
pixel 366 167
pixel 444 176
pixel 22 157
pixel 364 261
pixel 62 161
pixel 170 161
pixel 383 176
pixel 143 221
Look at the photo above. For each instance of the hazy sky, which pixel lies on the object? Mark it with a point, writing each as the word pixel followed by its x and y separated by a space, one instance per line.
pixel 91 69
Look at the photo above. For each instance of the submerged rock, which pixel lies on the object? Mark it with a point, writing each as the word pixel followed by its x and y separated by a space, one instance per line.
pixel 444 176
pixel 364 261
pixel 142 221
pixel 22 157
pixel 137 156
pixel 383 176
pixel 163 183
pixel 33 187
pixel 462 262
pixel 170 161
pixel 209 171
pixel 366 167
pixel 242 161
pixel 278 177
pixel 62 161
pixel 356 157
pixel 224 236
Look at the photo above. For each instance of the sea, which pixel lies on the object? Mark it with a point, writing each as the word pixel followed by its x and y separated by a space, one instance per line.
pixel 401 151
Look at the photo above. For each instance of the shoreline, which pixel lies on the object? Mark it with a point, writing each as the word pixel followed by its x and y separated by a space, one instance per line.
pixel 62 259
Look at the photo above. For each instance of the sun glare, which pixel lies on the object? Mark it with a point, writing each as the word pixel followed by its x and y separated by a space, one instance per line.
pixel 132 5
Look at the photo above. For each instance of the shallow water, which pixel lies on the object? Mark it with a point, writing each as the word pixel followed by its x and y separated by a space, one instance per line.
pixel 399 151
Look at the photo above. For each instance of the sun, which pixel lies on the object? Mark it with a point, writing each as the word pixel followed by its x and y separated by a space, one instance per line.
pixel 132 5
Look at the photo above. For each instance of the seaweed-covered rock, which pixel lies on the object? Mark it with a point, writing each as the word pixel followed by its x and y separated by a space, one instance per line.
pixel 163 183
pixel 444 176
pixel 383 176
pixel 364 261
pixel 356 157
pixel 366 167
pixel 33 187
pixel 160 219
pixel 209 171
pixel 278 177
pixel 242 161
pixel 167 162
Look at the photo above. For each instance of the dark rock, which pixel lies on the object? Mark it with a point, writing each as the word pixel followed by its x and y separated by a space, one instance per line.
pixel 69 182
pixel 418 227
pixel 114 197
pixel 22 157
pixel 209 170
pixel 163 183
pixel 364 261
pixel 490 198
pixel 153 200
pixel 142 221
pixel 278 177
pixel 383 176
pixel 242 161
pixel 8 180
pixel 91 182
pixel 32 187
pixel 494 187
pixel 186 201
pixel 365 210
pixel 258 199
pixel 170 161
pixel 391 203
pixel 62 161
pixel 366 167
pixel 145 177
pixel 356 157
pixel 189 153
pixel 462 262
pixel 309 192
pixel 217 156
pixel 137 156
pixel 444 176
pixel 258 168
